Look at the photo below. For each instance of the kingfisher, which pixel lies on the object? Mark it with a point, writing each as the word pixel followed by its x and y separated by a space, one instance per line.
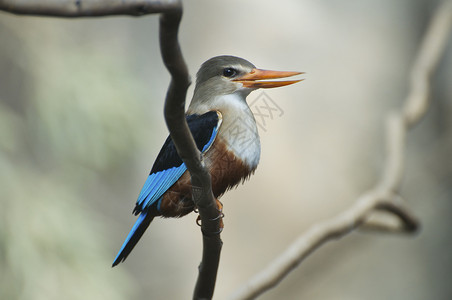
pixel 225 132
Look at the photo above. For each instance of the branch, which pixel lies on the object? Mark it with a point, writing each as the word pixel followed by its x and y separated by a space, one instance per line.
pixel 383 196
pixel 397 219
pixel 88 8
pixel 174 106
pixel 187 150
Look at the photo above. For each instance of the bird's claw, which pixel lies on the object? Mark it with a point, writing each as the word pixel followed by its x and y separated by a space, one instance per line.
pixel 220 216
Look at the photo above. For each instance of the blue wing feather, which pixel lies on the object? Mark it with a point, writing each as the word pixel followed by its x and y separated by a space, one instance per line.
pixel 212 138
pixel 204 129
pixel 150 182
pixel 167 169
pixel 168 178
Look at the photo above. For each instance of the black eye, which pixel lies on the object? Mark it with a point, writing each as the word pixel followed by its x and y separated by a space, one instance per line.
pixel 229 72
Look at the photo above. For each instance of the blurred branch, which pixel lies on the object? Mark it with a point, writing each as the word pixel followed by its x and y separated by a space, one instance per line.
pixel 383 197
pixel 397 217
pixel 88 8
pixel 429 54
pixel 174 106
pixel 316 236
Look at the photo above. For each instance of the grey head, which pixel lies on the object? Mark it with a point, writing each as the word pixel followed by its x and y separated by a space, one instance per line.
pixel 232 76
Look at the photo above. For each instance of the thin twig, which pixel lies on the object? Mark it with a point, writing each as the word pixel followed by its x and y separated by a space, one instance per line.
pixel 383 197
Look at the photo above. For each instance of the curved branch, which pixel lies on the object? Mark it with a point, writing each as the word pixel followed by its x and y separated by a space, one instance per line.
pixel 315 237
pixel 187 150
pixel 88 8
pixel 174 106
pixel 382 196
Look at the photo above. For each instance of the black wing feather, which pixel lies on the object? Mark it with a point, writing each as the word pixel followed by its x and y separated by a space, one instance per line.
pixel 201 127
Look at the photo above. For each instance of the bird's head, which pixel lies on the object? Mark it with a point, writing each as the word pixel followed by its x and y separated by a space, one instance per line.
pixel 230 75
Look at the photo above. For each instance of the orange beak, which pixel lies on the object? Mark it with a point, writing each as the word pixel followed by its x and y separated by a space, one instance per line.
pixel 250 80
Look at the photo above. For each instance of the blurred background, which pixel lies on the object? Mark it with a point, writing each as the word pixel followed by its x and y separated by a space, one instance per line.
pixel 81 123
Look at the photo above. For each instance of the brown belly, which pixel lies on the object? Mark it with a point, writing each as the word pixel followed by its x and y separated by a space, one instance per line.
pixel 226 171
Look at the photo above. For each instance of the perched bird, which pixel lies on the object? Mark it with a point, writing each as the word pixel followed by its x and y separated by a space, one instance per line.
pixel 224 130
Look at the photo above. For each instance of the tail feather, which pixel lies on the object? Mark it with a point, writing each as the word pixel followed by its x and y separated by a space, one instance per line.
pixel 134 236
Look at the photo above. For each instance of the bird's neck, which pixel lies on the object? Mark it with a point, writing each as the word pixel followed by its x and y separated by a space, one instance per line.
pixel 238 129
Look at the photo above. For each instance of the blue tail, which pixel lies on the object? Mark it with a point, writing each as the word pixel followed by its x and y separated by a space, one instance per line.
pixel 134 236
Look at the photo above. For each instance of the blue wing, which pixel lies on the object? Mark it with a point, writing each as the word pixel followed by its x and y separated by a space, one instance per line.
pixel 168 167
pixel 157 184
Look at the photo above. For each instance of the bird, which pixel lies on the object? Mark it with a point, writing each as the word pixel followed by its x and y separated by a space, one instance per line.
pixel 225 132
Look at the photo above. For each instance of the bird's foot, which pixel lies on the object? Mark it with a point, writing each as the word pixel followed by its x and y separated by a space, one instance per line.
pixel 220 216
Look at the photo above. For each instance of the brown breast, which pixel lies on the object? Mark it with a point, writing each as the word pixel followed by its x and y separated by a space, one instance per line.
pixel 226 171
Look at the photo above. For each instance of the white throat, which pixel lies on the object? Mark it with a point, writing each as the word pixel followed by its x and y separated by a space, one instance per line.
pixel 238 129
